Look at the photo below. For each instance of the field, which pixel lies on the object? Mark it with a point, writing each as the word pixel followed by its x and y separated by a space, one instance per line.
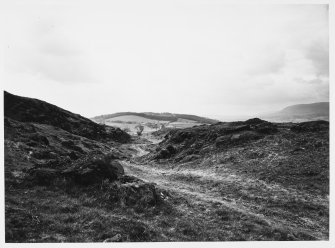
pixel 129 123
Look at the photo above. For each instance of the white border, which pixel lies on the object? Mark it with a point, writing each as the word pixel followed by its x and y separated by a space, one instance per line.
pixel 287 244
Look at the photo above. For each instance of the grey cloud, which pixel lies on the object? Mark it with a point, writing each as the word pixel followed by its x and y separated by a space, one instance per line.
pixel 58 49
pixel 63 69
pixel 314 81
pixel 58 62
pixel 318 53
pixel 271 62
pixel 319 87
pixel 51 54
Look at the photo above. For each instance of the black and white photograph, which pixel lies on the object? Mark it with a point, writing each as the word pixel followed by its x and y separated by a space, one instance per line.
pixel 167 123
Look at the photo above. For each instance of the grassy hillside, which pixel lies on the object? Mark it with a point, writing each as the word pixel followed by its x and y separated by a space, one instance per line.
pixel 61 185
pixel 132 119
pixel 275 174
pixel 26 109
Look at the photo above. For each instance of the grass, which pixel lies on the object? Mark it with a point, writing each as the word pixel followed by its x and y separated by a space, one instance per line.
pixel 282 180
pixel 275 188
pixel 49 214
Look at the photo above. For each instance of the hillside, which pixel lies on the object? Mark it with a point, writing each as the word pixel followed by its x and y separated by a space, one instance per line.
pixel 26 109
pixel 300 160
pixel 62 171
pixel 275 175
pixel 228 181
pixel 301 112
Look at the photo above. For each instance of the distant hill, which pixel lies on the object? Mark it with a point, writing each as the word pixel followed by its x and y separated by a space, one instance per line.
pixel 25 109
pixel 301 113
pixel 168 117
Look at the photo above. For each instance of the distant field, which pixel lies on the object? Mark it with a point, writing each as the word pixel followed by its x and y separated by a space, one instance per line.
pixel 130 122
pixel 133 118
pixel 179 124
pixel 131 127
pixel 186 120
pixel 150 117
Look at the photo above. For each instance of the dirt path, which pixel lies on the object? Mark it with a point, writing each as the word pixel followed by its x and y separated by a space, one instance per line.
pixel 200 188
pixel 139 151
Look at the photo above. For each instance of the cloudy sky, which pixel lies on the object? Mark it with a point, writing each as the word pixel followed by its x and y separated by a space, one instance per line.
pixel 187 56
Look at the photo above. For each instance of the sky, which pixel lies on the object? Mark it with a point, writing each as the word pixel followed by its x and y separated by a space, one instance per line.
pixel 188 56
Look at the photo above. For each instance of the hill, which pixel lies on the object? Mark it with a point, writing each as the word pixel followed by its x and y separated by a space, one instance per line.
pixel 274 174
pixel 151 121
pixel 301 112
pixel 62 171
pixel 168 117
pixel 24 109
pixel 79 181
pixel 301 159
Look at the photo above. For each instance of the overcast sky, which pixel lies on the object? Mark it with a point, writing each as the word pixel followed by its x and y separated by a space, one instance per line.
pixel 198 57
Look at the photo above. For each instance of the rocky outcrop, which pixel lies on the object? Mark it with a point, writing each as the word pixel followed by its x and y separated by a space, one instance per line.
pixel 138 193
pixel 91 170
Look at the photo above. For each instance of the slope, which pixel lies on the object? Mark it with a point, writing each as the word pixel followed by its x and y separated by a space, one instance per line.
pixel 26 109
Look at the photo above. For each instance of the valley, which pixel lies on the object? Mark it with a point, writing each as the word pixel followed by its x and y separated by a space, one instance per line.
pixel 68 179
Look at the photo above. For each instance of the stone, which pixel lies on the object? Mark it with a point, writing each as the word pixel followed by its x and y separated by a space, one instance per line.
pixel 116 238
pixel 89 170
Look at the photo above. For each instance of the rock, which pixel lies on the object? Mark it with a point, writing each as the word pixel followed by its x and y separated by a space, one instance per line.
pixel 40 139
pixel 129 179
pixel 70 144
pixel 43 154
pixel 171 149
pixel 116 238
pixel 181 136
pixel 139 232
pixel 73 155
pixel 89 170
pixel 43 176
pixel 190 158
pixel 236 138
pixel 244 137
pixel 140 194
pixel 222 140
pixel 163 154
pixel 53 238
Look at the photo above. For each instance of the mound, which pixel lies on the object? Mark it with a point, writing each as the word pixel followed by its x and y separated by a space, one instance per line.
pixel 296 155
pixel 190 141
